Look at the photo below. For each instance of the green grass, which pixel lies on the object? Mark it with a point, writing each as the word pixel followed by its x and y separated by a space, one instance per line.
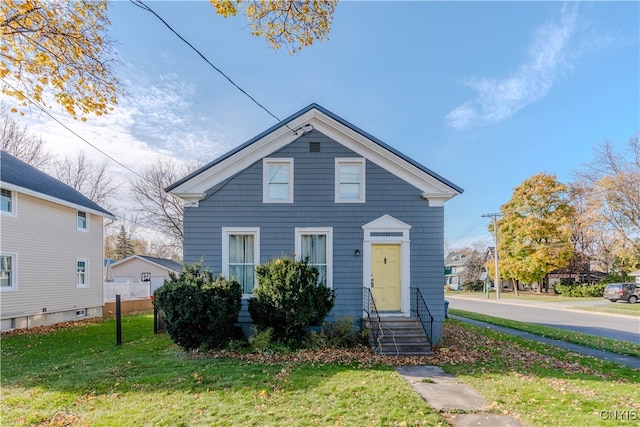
pixel 79 376
pixel 614 308
pixel 523 295
pixel 600 343
pixel 520 378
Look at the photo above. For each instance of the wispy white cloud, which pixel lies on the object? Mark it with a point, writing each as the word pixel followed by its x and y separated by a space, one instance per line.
pixel 498 99
pixel 153 120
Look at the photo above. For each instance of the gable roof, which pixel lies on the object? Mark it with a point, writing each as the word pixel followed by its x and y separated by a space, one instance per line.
pixel 435 188
pixel 21 177
pixel 168 264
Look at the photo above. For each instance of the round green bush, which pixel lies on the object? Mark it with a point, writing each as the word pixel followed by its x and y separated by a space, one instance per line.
pixel 289 299
pixel 199 310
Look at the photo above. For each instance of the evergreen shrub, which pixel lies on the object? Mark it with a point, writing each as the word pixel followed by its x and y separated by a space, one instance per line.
pixel 579 290
pixel 199 310
pixel 289 299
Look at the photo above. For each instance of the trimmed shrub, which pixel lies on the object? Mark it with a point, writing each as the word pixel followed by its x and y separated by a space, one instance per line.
pixel 199 310
pixel 289 299
pixel 476 286
pixel 579 290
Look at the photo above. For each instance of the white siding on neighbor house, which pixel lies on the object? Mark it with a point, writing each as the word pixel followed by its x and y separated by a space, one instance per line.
pixel 45 237
pixel 131 271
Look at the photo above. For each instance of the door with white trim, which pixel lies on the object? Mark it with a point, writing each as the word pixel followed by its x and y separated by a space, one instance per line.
pixel 386 276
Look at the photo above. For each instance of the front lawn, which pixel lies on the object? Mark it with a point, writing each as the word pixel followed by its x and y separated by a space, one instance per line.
pixel 78 376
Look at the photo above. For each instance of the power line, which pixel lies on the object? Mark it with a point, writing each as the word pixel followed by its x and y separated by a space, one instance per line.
pixel 478 222
pixel 141 5
pixel 44 110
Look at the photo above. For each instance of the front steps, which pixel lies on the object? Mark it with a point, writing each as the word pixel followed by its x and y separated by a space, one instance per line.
pixel 398 336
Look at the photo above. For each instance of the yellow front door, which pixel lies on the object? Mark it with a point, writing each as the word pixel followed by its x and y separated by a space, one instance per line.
pixel 385 276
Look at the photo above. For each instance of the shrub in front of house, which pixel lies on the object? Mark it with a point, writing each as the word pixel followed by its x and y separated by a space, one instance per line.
pixel 199 310
pixel 476 286
pixel 589 290
pixel 289 299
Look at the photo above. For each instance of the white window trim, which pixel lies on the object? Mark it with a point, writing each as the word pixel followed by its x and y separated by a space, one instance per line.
pixel 265 178
pixel 327 231
pixel 14 204
pixel 87 217
pixel 361 162
pixel 14 271
pixel 226 232
pixel 86 273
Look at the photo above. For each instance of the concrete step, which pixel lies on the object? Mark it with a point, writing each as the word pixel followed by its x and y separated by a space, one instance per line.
pixel 398 336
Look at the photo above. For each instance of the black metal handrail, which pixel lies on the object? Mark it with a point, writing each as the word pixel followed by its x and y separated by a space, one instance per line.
pixel 424 315
pixel 371 310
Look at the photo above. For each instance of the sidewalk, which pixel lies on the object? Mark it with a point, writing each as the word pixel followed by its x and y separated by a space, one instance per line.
pixel 444 393
pixel 632 362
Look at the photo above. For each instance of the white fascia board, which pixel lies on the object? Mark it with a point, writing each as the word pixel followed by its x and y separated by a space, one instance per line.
pixel 383 158
pixel 52 199
pixel 241 160
pixel 437 191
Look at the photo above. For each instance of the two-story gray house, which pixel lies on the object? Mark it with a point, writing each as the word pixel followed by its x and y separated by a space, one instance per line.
pixel 368 217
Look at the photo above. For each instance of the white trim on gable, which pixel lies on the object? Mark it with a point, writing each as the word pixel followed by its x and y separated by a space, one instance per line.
pixel 429 186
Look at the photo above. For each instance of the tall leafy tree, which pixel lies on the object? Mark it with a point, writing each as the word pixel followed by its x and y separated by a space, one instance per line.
pixel 293 24
pixel 59 47
pixel 534 233
pixel 63 47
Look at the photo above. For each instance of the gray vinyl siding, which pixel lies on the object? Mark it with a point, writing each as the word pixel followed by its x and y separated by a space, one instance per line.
pixel 238 203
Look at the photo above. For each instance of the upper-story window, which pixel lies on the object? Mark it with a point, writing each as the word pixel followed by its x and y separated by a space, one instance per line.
pixel 7 202
pixel 277 178
pixel 350 180
pixel 82 221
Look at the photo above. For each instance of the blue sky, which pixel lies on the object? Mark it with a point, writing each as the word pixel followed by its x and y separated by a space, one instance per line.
pixel 485 94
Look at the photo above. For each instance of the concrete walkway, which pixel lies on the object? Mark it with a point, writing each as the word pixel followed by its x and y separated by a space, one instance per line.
pixel 444 393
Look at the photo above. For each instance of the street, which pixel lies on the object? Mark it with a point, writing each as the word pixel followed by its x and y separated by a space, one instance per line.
pixel 555 314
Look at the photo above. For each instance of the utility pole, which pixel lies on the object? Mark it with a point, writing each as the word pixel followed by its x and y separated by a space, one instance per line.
pixel 495 216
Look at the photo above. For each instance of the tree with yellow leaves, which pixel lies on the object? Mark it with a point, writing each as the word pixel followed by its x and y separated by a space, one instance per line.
pixel 534 231
pixel 290 23
pixel 58 47
pixel 62 47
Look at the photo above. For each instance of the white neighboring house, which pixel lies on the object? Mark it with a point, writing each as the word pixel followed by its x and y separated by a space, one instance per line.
pixel 455 264
pixel 636 275
pixel 142 268
pixel 51 249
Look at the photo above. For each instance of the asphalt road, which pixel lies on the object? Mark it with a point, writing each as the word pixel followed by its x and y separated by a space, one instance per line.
pixel 558 315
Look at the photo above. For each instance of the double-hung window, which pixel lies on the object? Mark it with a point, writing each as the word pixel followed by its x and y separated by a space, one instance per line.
pixel 7 202
pixel 82 273
pixel 241 255
pixel 82 221
pixel 350 180
pixel 8 272
pixel 316 245
pixel 277 178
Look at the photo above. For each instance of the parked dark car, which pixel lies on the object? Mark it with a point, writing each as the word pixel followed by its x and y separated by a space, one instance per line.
pixel 622 291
